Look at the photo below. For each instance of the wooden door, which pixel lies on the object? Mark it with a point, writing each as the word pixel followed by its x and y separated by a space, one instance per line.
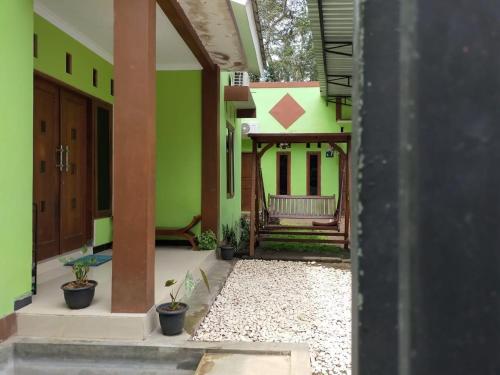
pixel 246 181
pixel 46 163
pixel 74 127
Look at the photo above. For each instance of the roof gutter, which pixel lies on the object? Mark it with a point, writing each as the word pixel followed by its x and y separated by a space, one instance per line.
pixel 258 25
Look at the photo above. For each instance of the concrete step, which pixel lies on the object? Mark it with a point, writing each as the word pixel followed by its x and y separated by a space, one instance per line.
pixel 244 364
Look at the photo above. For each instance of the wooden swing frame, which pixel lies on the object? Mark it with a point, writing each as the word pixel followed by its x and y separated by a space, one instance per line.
pixel 258 201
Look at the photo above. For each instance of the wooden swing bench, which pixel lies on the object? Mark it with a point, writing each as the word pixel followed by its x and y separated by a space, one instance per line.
pixel 301 207
pixel 181 232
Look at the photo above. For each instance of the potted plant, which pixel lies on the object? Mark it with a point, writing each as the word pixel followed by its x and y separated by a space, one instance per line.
pixel 207 240
pixel 229 243
pixel 79 293
pixel 173 313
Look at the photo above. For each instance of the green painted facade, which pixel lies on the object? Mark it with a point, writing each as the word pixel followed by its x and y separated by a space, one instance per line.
pixel 179 124
pixel 53 44
pixel 318 118
pixel 16 151
pixel 178 152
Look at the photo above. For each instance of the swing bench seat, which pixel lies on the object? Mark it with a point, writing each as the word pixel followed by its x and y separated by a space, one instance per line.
pixel 301 207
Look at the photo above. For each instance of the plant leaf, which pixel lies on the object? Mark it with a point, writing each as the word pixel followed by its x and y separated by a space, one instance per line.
pixel 170 282
pixel 189 285
pixel 205 279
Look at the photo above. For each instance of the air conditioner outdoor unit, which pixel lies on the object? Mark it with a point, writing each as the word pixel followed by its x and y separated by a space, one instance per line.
pixel 240 79
pixel 249 128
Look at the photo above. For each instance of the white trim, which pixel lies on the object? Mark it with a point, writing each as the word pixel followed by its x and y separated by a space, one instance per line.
pixel 255 35
pixel 46 13
pixel 191 66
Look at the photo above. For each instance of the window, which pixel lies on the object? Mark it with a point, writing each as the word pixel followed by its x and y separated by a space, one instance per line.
pixel 283 171
pixel 230 160
pixel 69 63
pixel 103 159
pixel 313 173
pixel 94 77
pixel 35 45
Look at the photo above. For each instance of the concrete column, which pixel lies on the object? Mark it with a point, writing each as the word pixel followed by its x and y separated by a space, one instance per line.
pixel 426 246
pixel 134 156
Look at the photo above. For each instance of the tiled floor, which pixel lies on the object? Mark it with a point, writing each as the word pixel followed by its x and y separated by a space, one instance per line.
pixel 48 315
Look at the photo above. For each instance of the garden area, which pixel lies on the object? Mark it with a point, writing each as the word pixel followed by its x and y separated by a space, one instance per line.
pixel 288 302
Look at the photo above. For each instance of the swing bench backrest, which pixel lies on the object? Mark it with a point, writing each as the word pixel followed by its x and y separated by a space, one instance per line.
pixel 301 207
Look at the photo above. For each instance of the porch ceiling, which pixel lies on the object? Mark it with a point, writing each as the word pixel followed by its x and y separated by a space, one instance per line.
pixel 215 24
pixel 91 23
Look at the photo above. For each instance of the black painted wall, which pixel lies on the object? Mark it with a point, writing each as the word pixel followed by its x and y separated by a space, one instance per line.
pixel 427 128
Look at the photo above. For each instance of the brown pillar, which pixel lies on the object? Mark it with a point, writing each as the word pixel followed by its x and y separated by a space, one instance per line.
pixel 134 155
pixel 253 200
pixel 210 162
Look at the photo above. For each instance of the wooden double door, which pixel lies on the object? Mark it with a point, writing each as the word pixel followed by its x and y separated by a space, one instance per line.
pixel 60 168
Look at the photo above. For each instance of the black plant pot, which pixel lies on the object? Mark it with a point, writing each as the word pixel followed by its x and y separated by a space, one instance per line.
pixel 171 321
pixel 227 252
pixel 79 298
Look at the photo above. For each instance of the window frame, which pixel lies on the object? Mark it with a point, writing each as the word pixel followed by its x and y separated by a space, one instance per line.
pixel 98 214
pixel 308 173
pixel 289 172
pixel 230 178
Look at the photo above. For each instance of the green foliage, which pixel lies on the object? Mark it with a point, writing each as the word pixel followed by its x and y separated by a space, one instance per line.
pixel 207 240
pixel 229 235
pixel 80 268
pixel 189 285
pixel 244 233
pixel 287 38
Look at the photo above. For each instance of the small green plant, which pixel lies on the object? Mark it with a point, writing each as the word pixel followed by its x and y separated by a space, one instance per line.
pixel 207 240
pixel 244 233
pixel 80 268
pixel 229 236
pixel 189 285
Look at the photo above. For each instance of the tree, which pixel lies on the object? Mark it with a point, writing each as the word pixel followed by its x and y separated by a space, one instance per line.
pixel 287 37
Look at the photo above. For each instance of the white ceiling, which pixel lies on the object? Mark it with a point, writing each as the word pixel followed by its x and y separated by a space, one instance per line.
pixel 91 23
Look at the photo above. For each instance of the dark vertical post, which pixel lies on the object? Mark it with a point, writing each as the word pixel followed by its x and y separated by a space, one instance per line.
pixel 253 199
pixel 210 180
pixel 426 264
pixel 374 199
pixel 347 195
pixel 134 153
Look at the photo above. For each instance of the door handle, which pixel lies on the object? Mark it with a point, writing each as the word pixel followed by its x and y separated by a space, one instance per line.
pixel 67 158
pixel 60 152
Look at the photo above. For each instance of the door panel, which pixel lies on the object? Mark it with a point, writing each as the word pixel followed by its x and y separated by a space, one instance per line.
pixel 74 127
pixel 246 181
pixel 45 170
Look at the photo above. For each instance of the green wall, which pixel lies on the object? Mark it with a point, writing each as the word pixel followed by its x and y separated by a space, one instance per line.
pixel 329 168
pixel 318 118
pixel 16 151
pixel 230 208
pixel 53 44
pixel 178 148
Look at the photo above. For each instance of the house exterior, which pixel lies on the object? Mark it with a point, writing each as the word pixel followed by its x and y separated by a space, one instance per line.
pixel 114 122
pixel 296 169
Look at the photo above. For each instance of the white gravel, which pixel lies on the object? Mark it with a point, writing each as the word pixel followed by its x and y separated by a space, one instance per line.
pixel 276 301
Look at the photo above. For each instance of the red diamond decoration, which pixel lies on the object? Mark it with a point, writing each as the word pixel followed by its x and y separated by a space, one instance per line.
pixel 287 111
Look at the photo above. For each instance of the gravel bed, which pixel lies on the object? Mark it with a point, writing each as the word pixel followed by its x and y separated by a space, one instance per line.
pixel 277 301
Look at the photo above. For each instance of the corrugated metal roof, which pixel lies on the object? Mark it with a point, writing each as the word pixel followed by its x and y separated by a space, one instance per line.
pixel 332 27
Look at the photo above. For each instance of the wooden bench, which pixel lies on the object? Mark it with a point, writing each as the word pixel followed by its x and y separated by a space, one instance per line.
pixel 301 207
pixel 181 232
